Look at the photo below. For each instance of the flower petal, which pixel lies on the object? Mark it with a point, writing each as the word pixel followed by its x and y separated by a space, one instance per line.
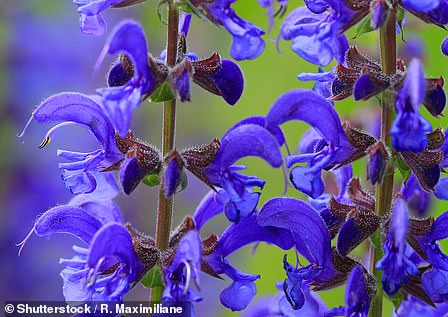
pixel 79 108
pixel 308 106
pixel 128 37
pixel 230 81
pixel 445 46
pixel 131 174
pixel 207 209
pixel 68 219
pixel 357 299
pixel 113 240
pixel 105 211
pixel 311 235
pixel 248 140
pixel 248 231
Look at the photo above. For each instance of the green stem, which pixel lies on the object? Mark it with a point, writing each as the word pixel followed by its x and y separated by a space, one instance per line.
pixel 165 205
pixel 384 190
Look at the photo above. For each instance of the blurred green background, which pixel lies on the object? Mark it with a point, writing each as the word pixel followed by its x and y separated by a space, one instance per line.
pixel 42 52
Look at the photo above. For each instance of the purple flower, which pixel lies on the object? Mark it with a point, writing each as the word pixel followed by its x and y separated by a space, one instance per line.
pixel 137 75
pixel 311 239
pixel 409 128
pixel 316 32
pixel 332 148
pixel 183 270
pixel 445 46
pixel 91 21
pixel 121 100
pixel 396 264
pixel 278 305
pixel 430 11
pixel 427 242
pixel 435 283
pixel 412 307
pixel 357 298
pixel 107 268
pixel 247 42
pixel 246 138
pixel 419 200
pixel 191 256
pixel 82 174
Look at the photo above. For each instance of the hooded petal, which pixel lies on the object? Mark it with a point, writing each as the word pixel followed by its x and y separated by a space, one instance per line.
pixel 261 121
pixel 421 5
pixel 114 241
pixel 249 231
pixel 308 106
pixel 248 140
pixel 105 210
pixel 395 263
pixel 79 108
pixel 207 209
pixel 128 37
pixel 310 233
pixel 68 219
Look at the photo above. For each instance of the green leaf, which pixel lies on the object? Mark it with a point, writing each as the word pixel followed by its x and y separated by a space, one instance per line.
pixel 152 180
pixel 363 27
pixel 153 278
pixel 188 7
pixel 404 169
pixel 162 6
pixel 163 93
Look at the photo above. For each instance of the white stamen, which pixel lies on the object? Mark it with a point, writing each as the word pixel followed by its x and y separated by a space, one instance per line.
pixel 22 244
pixel 50 132
pixel 20 136
pixel 188 281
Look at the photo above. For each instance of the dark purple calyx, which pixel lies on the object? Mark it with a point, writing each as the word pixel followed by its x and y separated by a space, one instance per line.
pixel 198 158
pixel 425 166
pixel 363 77
pixel 435 98
pixel 141 159
pixel 360 140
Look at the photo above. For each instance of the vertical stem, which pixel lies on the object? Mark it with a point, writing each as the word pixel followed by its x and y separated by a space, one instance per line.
pixel 384 190
pixel 165 206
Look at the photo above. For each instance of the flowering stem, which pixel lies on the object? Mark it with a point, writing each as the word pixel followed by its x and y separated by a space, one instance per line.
pixel 384 190
pixel 165 205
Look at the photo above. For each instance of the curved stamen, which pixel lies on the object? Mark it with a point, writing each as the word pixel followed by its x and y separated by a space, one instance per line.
pixel 188 279
pixel 22 243
pixel 50 132
pixel 20 136
pixel 94 273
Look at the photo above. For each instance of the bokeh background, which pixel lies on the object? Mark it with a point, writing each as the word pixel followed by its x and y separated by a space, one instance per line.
pixel 43 52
